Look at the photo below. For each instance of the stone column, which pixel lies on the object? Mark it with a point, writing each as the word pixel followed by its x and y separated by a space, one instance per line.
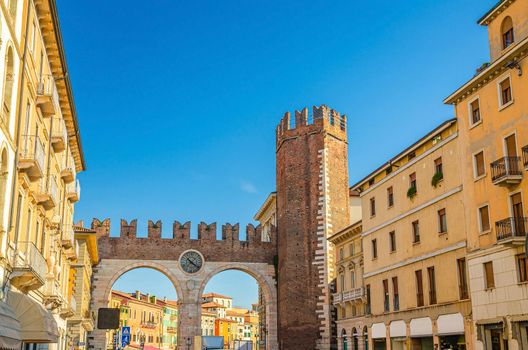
pixel 339 342
pixel 361 341
pixel 189 323
pixel 272 340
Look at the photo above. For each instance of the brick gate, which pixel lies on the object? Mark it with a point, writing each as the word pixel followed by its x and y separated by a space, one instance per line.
pixel 127 252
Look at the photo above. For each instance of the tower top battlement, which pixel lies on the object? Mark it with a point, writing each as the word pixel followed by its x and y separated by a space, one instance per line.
pixel 323 118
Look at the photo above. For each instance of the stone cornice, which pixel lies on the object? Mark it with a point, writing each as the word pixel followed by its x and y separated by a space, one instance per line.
pixel 496 10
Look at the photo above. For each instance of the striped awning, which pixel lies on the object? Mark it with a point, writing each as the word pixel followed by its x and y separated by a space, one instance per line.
pixel 10 338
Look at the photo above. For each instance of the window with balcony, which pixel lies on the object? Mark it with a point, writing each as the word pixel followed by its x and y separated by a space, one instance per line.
pixel 478 164
pixel 373 207
pixel 392 241
pixel 505 92
pixel 419 288
pixel 462 279
pixel 489 277
pixel 390 197
pixel 442 221
pixel 374 249
pixel 484 219
pixel 395 294
pixel 474 109
pixel 522 268
pixel 507 32
pixel 432 285
pixel 386 305
pixel 416 231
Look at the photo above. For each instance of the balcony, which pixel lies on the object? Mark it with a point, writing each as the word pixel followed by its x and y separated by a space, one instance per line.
pixel 73 191
pixel 47 194
pixel 29 267
pixel 31 157
pixel 88 320
pixel 70 246
pixel 511 230
pixel 68 168
pixel 525 156
pixel 506 170
pixel 353 294
pixel 337 298
pixel 172 330
pixel 59 135
pixel 53 298
pixel 149 325
pixel 47 96
pixel 68 309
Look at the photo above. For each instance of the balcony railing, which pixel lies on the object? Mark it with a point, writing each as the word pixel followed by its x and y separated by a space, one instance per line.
pixel 353 294
pixel 47 194
pixel 73 191
pixel 29 267
pixel 172 329
pixel 68 168
pixel 511 229
pixel 32 156
pixel 506 169
pixel 149 325
pixel 337 298
pixel 525 156
pixel 47 96
pixel 59 135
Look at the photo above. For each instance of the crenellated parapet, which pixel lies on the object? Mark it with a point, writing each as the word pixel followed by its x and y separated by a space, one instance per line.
pixel 323 119
pixel 155 247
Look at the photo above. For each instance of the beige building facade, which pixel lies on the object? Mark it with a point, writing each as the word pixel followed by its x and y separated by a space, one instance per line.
pixel 491 109
pixel 40 155
pixel 414 247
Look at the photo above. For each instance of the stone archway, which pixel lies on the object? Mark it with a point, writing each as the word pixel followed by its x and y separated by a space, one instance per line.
pixel 119 255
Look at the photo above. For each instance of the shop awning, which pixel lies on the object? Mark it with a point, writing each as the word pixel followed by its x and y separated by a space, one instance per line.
pixel 378 330
pixel 398 329
pixel 421 327
pixel 450 324
pixel 10 338
pixel 36 323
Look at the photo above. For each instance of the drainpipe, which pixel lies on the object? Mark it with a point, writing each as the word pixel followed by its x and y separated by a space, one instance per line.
pixel 19 119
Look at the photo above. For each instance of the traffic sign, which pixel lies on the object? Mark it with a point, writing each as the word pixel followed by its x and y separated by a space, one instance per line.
pixel 125 336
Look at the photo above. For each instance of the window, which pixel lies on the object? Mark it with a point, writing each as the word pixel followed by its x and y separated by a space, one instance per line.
pixel 395 294
pixel 390 197
pixel 351 248
pixel 419 288
pixel 342 282
pixel 432 285
pixel 442 221
pixel 484 219
pixel 373 206
pixel 386 306
pixel 388 170
pixel 9 77
pixel 438 166
pixel 505 91
pixel 416 231
pixel 412 180
pixel 374 249
pixel 371 182
pixel 353 279
pixel 367 307
pixel 522 268
pixel 411 155
pixel 490 278
pixel 341 257
pixel 392 241
pixel 474 108
pixel 507 32
pixel 478 160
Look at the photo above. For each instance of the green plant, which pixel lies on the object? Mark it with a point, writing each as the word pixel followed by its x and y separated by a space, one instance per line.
pixel 437 177
pixel 411 192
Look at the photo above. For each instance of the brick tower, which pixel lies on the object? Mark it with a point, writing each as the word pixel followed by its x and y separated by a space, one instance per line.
pixel 312 201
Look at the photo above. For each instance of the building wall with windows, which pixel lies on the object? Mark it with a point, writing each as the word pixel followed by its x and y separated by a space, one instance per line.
pixel 413 238
pixel 40 155
pixel 491 109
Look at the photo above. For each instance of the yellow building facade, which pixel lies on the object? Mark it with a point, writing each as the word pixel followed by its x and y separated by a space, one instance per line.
pixel 40 155
pixel 414 242
pixel 491 109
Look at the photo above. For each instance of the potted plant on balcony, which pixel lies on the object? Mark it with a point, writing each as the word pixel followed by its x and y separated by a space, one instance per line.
pixel 411 192
pixel 437 177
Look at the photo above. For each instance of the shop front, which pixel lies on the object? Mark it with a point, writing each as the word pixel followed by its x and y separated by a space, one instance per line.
pixel 450 330
pixel 421 330
pixel 379 336
pixel 398 335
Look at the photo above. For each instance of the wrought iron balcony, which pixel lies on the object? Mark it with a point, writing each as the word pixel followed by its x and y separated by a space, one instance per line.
pixel 47 96
pixel 506 170
pixel 59 135
pixel 353 294
pixel 31 157
pixel 29 267
pixel 73 191
pixel 525 156
pixel 47 193
pixel 512 230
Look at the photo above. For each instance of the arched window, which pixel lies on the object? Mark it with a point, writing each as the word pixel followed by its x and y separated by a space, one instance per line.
pixel 354 339
pixel 345 340
pixel 8 85
pixel 507 32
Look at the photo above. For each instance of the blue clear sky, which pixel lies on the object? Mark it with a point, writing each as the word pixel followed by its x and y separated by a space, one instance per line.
pixel 178 100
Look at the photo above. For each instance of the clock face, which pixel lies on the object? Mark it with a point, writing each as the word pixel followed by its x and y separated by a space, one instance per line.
pixel 191 261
